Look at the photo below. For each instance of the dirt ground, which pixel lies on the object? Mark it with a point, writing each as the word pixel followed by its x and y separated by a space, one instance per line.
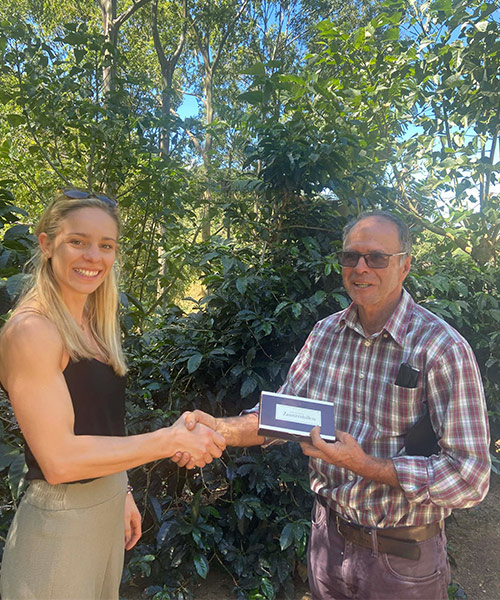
pixel 474 546
pixel 474 549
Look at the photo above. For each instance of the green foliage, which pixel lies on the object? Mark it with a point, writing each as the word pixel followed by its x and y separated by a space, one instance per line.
pixel 248 513
pixel 15 248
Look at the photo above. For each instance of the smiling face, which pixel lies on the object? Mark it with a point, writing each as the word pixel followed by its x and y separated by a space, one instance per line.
pixel 376 292
pixel 83 251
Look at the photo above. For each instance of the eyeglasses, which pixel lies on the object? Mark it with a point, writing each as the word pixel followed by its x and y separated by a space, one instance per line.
pixel 373 260
pixel 85 194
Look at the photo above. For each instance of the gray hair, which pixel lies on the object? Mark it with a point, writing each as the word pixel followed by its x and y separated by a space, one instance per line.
pixel 403 229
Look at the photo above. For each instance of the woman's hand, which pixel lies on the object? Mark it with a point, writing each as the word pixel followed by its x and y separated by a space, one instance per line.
pixel 133 528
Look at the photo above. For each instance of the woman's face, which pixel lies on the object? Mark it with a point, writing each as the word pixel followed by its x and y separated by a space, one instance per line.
pixel 83 251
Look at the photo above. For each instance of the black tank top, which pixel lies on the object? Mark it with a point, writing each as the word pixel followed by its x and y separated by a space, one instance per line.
pixel 98 397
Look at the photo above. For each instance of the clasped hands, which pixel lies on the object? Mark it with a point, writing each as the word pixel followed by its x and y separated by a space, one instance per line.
pixel 198 442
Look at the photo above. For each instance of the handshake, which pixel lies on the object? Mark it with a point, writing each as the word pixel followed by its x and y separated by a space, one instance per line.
pixel 197 440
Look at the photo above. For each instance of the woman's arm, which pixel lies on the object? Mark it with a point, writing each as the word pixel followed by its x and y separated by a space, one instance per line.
pixel 31 357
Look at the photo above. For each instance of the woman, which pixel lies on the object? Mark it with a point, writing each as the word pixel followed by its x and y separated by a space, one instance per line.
pixel 62 365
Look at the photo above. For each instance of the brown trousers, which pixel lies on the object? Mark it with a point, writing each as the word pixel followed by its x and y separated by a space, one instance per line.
pixel 341 570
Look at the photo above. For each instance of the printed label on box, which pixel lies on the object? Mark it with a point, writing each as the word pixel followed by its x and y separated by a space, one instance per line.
pixel 294 414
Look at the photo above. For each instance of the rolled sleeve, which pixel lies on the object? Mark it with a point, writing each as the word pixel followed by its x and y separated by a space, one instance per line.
pixel 459 476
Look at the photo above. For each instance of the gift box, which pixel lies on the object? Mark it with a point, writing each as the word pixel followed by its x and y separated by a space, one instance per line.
pixel 292 417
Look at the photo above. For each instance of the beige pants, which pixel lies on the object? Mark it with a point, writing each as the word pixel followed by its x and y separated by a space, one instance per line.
pixel 66 542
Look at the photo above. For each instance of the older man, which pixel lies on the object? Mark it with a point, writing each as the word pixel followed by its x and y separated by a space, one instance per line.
pixel 381 494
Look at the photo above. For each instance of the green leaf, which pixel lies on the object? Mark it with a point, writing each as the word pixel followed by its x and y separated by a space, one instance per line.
pixel 257 68
pixel 15 120
pixel 267 588
pixel 241 285
pixel 248 387
pixel 201 565
pixel 16 474
pixel 391 34
pixel 15 284
pixel 8 455
pixel 287 536
pixel 194 362
pixel 253 98
pixel 442 5
pixel 280 307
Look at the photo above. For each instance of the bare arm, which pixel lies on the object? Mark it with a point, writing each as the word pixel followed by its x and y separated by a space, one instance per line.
pixel 31 357
pixel 347 453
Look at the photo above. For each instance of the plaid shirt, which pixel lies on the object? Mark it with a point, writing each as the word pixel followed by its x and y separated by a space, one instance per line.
pixel 339 363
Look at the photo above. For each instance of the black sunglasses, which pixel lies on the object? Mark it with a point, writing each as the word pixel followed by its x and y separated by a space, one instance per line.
pixel 373 260
pixel 85 194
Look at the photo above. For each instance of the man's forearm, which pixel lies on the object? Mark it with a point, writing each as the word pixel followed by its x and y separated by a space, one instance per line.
pixel 381 470
pixel 240 431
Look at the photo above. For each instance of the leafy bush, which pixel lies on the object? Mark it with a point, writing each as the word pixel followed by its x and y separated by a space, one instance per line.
pixel 15 248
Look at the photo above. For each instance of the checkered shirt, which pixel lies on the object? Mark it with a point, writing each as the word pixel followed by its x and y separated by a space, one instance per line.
pixel 339 363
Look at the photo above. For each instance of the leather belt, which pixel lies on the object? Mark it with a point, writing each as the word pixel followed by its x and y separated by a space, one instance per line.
pixel 399 541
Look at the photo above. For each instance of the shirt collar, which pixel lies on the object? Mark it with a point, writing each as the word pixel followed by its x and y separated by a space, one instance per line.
pixel 397 324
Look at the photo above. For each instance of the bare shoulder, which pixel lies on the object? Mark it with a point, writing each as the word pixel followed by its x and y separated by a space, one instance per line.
pixel 29 340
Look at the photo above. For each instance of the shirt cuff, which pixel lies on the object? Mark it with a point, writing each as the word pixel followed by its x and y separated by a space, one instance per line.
pixel 413 476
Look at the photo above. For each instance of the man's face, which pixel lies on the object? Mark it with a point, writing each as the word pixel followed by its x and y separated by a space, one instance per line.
pixel 375 289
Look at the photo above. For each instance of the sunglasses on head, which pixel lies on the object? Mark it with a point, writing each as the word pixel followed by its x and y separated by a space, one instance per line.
pixel 373 260
pixel 77 194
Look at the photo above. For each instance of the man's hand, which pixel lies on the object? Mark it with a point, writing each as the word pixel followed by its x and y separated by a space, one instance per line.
pixel 348 454
pixel 345 452
pixel 133 528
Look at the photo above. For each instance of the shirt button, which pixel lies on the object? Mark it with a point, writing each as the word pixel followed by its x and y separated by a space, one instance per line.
pixel 358 408
pixel 361 375
pixel 367 343
pixel 350 477
pixel 386 335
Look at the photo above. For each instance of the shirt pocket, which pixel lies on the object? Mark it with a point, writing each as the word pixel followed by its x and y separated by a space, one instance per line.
pixel 398 409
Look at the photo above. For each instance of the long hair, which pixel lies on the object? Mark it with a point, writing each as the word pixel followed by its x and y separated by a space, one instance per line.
pixel 102 304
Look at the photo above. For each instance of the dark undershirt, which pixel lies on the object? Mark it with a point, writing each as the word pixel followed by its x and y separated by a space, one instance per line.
pixel 98 397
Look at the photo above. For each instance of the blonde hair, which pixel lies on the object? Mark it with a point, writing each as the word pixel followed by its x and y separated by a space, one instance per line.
pixel 102 304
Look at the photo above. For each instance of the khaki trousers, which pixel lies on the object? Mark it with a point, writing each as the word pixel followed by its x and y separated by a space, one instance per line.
pixel 66 542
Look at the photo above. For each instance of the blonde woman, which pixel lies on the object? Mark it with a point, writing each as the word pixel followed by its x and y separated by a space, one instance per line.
pixel 62 366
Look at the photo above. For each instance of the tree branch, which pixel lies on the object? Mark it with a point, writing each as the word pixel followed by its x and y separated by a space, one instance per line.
pixel 118 22
pixel 226 35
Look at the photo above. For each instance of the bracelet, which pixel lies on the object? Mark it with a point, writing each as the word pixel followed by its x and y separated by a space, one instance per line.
pixel 130 489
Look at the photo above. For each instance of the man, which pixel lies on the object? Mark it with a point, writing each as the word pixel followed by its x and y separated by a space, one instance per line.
pixel 377 530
